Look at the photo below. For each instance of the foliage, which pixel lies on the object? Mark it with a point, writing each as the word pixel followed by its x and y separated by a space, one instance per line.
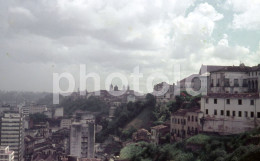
pixel 92 104
pixel 199 139
pixel 123 115
pixel 38 117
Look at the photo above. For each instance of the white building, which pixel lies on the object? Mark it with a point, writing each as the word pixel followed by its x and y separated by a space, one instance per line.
pixel 12 134
pixel 6 154
pixel 58 112
pixel 25 111
pixel 65 123
pixel 37 109
pixel 82 139
pixel 232 104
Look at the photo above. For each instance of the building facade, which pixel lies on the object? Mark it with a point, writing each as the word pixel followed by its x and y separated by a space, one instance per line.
pixel 6 154
pixel 185 123
pixel 232 104
pixel 12 134
pixel 65 123
pixel 82 139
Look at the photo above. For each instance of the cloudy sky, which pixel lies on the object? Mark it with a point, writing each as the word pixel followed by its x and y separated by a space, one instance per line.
pixel 40 37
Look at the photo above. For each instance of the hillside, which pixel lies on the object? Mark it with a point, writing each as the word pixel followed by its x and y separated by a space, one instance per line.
pixel 142 120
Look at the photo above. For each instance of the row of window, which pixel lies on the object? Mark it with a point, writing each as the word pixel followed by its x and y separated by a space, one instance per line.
pixel 235 113
pixel 253 73
pixel 183 121
pixel 190 131
pixel 239 101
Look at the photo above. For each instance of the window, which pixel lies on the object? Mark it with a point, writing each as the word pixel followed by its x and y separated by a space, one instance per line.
pixel 252 114
pixel 246 114
pixel 234 113
pixel 258 114
pixel 215 112
pixel 236 83
pixel 228 101
pixel 218 83
pixel 228 113
pixel 212 82
pixel 226 82
pixel 239 102
pixel 188 118
pixel 239 113
pixel 196 119
pixel 192 118
pixel 222 112
pixel 252 102
pixel 207 111
pixel 215 101
pixel 207 100
pixel 244 82
pixel 178 121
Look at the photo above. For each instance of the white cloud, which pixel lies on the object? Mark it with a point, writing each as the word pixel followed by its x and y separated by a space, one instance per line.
pixel 108 36
pixel 247 14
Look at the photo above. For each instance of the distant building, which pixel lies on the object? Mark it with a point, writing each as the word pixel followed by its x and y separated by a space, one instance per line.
pixel 82 139
pixel 163 92
pixel 157 132
pixel 185 123
pixel 65 123
pixel 12 134
pixel 26 111
pixel 58 112
pixel 6 154
pixel 33 109
pixel 141 135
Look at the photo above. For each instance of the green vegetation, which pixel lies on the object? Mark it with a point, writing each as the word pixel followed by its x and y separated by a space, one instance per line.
pixel 243 147
pixel 123 116
pixel 162 112
pixel 38 117
pixel 92 104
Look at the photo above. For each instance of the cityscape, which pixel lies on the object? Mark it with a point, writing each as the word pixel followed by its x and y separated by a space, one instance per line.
pixel 130 80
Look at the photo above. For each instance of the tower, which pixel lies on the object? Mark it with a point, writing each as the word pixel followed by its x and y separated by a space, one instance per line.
pixel 111 87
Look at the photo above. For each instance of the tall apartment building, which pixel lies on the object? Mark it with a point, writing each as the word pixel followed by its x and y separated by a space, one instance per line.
pixel 232 104
pixel 6 154
pixel 82 139
pixel 12 134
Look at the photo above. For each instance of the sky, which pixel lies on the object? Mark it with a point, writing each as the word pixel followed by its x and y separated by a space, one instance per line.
pixel 42 37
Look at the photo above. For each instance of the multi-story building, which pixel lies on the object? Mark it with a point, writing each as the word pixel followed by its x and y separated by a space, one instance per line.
pixel 163 92
pixel 25 110
pixel 82 139
pixel 232 104
pixel 6 154
pixel 185 123
pixel 37 109
pixel 12 134
pixel 65 123
pixel 158 132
